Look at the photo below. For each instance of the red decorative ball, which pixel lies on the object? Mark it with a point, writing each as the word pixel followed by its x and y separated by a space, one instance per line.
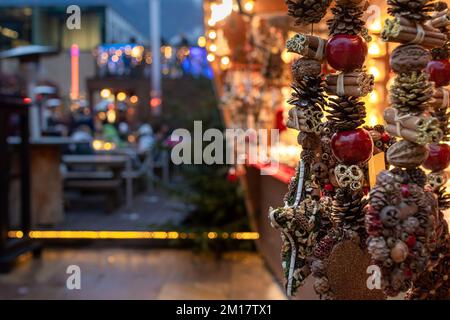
pixel 408 273
pixel 385 137
pixel 328 187
pixel 346 52
pixel 232 175
pixel 352 146
pixel 438 157
pixel 439 71
pixel 411 241
pixel 405 191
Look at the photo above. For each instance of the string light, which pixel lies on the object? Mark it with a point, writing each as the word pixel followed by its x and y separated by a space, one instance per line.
pixel 201 41
pixel 211 57
pixel 249 6
pixel 157 235
pixel 212 35
pixel 134 99
pixel 213 48
pixel 105 93
pixel 121 96
pixel 225 61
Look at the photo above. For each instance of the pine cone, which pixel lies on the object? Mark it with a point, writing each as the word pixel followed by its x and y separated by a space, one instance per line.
pixel 411 92
pixel 347 20
pixel 441 53
pixel 348 209
pixel 417 176
pixel 324 247
pixel 346 113
pixel 321 285
pixel 378 249
pixel 307 11
pixel 416 10
pixel 308 93
pixel 443 199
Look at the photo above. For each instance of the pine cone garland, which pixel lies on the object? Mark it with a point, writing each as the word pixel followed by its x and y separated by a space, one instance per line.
pixel 307 11
pixel 308 93
pixel 411 92
pixel 416 10
pixel 348 209
pixel 324 247
pixel 346 113
pixel 347 20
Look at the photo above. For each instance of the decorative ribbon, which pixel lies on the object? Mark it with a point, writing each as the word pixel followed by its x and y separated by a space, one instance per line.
pixel 398 121
pixel 340 87
pixel 420 34
pixel 319 52
pixel 293 252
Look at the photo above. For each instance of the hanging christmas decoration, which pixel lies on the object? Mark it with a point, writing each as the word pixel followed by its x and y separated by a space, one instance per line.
pixel 434 282
pixel 401 211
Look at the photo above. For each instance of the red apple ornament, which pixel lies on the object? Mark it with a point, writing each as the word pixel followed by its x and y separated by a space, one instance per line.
pixel 346 52
pixel 439 71
pixel 438 157
pixel 352 146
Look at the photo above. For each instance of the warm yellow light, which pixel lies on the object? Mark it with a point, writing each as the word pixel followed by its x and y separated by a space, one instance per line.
pixel 97 144
pixel 211 57
pixel 375 26
pixel 111 116
pixel 105 93
pixel 201 41
pixel 136 51
pixel 114 58
pixel 15 234
pixel 373 96
pixel 168 52
pixel 213 48
pixel 102 116
pixel 212 35
pixel 375 72
pixel 118 52
pixel 287 57
pixel 374 49
pixel 249 6
pixel 121 96
pixel 108 146
pixel 225 61
pixel 159 235
pixel 134 99
pixel 373 120
pixel 211 23
pixel 212 235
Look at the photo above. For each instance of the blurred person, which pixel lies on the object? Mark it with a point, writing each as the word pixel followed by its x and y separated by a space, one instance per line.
pixel 83 138
pixel 146 140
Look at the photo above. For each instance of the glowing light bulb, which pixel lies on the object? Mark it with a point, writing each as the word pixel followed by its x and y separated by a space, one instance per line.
pixel 212 35
pixel 249 6
pixel 201 41
pixel 225 61
pixel 105 93
pixel 211 57
pixel 121 96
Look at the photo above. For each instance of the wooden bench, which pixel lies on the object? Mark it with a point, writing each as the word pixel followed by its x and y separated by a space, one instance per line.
pixel 96 173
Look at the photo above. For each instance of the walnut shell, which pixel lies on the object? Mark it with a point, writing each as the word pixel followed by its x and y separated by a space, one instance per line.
pixel 306 67
pixel 410 57
pixel 405 154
